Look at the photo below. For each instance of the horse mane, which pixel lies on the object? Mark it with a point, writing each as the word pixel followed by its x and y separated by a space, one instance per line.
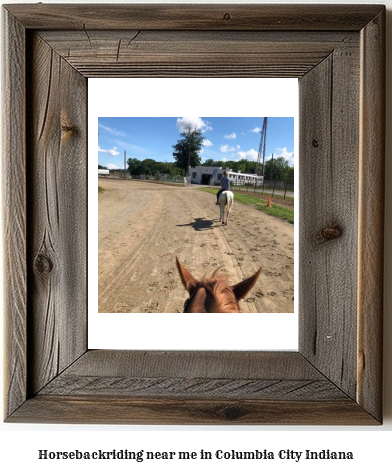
pixel 214 294
pixel 222 298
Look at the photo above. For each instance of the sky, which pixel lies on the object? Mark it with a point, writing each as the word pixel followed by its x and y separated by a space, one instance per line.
pixel 225 138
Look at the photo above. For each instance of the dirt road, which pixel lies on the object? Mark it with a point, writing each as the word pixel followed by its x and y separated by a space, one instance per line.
pixel 144 226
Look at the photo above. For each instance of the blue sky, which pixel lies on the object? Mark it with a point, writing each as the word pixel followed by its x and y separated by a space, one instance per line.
pixel 225 138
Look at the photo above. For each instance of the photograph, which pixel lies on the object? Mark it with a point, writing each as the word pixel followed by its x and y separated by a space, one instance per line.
pixel 196 214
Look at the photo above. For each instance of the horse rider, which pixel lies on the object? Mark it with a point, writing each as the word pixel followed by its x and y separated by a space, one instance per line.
pixel 225 186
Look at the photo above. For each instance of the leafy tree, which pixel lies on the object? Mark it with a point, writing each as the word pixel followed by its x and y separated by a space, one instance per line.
pixel 150 167
pixel 170 169
pixel 209 162
pixel 290 173
pixel 278 169
pixel 187 149
pixel 100 167
pixel 135 166
pixel 243 166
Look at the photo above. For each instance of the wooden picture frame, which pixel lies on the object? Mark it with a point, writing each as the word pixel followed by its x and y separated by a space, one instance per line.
pixel 338 54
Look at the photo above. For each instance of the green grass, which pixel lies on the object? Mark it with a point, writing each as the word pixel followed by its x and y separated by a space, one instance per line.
pixel 260 204
pixel 100 189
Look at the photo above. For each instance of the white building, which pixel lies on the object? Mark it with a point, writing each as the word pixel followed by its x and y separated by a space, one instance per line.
pixel 212 175
pixel 206 175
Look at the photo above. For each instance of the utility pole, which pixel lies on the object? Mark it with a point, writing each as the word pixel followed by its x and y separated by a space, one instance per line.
pixel 189 155
pixel 263 140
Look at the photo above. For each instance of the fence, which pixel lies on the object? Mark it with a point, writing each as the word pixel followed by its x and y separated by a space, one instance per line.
pixel 145 177
pixel 280 188
pixel 165 178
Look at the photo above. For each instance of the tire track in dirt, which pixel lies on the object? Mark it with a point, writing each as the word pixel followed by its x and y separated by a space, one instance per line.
pixel 126 271
pixel 227 258
pixel 155 223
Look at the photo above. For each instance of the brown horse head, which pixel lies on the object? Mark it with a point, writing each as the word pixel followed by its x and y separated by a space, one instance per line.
pixel 214 294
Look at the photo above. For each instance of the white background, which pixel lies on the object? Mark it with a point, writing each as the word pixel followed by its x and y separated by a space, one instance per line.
pixel 19 444
pixel 209 98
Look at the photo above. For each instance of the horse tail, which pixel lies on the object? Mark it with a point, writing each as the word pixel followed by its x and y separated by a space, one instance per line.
pixel 229 200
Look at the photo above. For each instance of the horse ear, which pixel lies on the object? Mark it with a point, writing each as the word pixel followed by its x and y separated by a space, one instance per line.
pixel 186 277
pixel 241 289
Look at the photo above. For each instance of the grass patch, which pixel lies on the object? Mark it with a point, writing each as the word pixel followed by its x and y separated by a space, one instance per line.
pixel 260 204
pixel 277 211
pixel 100 189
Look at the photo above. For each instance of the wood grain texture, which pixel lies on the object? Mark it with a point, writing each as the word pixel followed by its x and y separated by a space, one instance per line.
pixel 194 387
pixel 195 53
pixel 57 212
pixel 208 364
pixel 329 144
pixel 206 374
pixel 14 208
pixel 122 410
pixel 371 216
pixel 193 17
pixel 188 387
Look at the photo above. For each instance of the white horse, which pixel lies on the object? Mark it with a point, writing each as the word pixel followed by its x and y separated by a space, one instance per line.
pixel 226 200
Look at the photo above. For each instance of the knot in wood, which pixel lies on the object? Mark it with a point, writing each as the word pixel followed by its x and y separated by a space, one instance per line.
pixel 233 412
pixel 328 233
pixel 69 128
pixel 227 16
pixel 43 264
pixel 315 143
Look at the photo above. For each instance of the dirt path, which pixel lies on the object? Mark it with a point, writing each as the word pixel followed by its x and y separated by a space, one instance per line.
pixel 143 226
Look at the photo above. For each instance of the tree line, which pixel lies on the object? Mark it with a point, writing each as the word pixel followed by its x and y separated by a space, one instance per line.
pixel 186 152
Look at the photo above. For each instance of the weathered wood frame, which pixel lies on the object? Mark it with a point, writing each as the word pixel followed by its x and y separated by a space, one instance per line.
pixel 337 52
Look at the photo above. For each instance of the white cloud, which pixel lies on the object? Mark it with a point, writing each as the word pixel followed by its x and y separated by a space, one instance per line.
pixel 112 167
pixel 195 123
pixel 287 155
pixel 231 136
pixel 226 148
pixel 256 130
pixel 112 152
pixel 247 155
pixel 112 131
pixel 207 143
